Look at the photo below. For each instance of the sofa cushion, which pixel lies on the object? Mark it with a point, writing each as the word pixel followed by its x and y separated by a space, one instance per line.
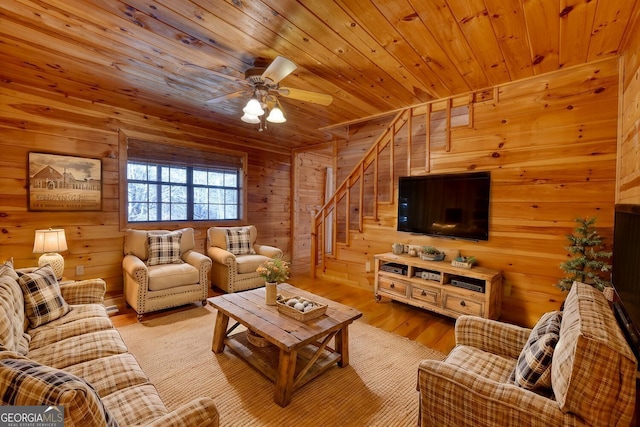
pixel 164 248
pixel 79 349
pixel 42 297
pixel 593 370
pixel 7 267
pixel 137 406
pixel 45 335
pixel 533 369
pixel 110 374
pixel 78 312
pixel 24 382
pixel 239 241
pixel 12 317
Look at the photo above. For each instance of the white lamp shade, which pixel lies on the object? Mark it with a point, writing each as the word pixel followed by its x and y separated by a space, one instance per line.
pixel 248 118
pixel 49 243
pixel 253 108
pixel 276 116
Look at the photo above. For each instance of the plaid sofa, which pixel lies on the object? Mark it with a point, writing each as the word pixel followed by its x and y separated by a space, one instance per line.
pixel 79 361
pixel 593 373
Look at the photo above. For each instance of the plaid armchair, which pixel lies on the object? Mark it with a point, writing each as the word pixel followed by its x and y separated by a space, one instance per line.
pixel 592 373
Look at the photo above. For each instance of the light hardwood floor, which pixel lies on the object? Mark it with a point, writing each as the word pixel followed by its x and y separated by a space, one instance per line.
pixel 429 329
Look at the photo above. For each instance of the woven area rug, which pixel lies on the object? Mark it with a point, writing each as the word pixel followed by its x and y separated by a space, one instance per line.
pixel 378 388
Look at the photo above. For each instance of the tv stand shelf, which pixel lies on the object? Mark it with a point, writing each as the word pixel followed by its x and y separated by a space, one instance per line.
pixel 438 286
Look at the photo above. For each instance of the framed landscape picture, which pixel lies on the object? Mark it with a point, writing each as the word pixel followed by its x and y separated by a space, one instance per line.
pixel 64 183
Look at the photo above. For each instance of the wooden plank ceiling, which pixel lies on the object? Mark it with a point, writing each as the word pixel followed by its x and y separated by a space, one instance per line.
pixel 165 57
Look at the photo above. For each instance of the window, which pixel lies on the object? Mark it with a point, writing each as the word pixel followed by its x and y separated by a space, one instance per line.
pixel 165 192
pixel 170 182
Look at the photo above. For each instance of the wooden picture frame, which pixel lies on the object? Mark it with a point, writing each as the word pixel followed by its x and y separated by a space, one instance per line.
pixel 64 183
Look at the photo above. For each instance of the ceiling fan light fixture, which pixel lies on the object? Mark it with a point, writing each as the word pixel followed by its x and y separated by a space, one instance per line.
pixel 249 118
pixel 276 116
pixel 253 108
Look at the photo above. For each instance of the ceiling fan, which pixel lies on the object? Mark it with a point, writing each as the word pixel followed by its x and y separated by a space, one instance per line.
pixel 263 85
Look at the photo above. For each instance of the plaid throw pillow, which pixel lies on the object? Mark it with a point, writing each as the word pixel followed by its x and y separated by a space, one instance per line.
pixel 42 298
pixel 164 248
pixel 24 382
pixel 239 241
pixel 533 369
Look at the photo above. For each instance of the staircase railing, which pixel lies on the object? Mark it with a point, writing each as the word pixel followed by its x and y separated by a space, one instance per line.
pixel 328 212
pixel 371 159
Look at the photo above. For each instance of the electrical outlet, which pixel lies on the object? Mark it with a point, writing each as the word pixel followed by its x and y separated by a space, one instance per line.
pixel 367 267
pixel 79 270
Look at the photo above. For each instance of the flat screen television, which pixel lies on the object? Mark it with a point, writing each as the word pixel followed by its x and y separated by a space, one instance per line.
pixel 626 272
pixel 445 205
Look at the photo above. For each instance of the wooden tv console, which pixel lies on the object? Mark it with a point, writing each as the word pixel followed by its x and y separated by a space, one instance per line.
pixel 438 286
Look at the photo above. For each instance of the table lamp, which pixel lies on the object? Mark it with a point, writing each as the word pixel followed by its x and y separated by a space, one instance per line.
pixel 49 243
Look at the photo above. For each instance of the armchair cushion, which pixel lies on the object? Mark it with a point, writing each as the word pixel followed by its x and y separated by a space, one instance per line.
pixel 42 297
pixel 250 263
pixel 135 241
pixel 487 365
pixel 239 241
pixel 533 369
pixel 170 276
pixel 164 248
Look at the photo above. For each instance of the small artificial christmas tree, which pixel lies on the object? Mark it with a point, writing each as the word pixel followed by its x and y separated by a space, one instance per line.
pixel 590 262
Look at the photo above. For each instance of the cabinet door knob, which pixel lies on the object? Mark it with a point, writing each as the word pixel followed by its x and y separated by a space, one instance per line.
pixel 424 292
pixel 462 303
pixel 393 285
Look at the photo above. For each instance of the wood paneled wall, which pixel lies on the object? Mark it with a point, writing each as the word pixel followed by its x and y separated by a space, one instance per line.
pixel 550 144
pixel 41 121
pixel 629 143
pixel 549 141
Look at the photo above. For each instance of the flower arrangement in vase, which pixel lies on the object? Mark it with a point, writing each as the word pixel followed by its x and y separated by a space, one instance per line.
pixel 275 270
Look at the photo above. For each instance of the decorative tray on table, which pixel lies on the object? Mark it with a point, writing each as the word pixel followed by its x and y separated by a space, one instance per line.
pixel 300 308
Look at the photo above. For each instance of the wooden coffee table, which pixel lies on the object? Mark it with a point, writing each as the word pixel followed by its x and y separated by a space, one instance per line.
pixel 299 352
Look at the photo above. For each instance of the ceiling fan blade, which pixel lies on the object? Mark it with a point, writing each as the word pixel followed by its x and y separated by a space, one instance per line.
pixel 306 95
pixel 280 68
pixel 228 96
